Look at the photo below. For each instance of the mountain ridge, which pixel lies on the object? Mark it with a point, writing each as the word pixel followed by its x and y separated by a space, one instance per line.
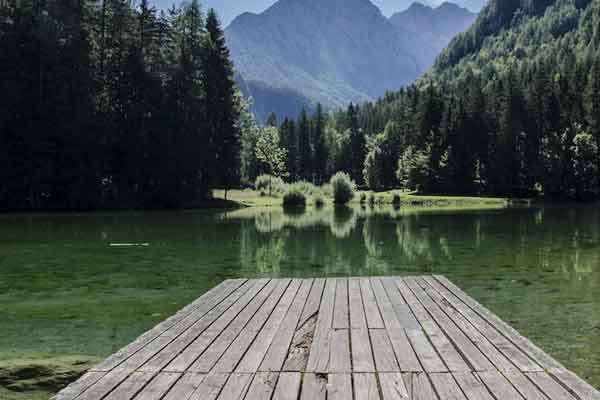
pixel 331 52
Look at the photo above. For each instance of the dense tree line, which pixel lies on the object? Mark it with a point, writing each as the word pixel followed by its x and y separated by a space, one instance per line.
pixel 111 104
pixel 511 108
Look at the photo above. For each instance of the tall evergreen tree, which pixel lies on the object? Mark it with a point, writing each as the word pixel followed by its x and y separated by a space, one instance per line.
pixel 304 162
pixel 357 144
pixel 320 148
pixel 222 106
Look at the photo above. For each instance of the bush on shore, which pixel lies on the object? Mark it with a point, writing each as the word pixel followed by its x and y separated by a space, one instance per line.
pixel 268 184
pixel 319 199
pixel 343 188
pixel 294 197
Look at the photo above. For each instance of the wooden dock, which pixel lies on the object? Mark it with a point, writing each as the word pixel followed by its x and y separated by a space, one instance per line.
pixel 416 338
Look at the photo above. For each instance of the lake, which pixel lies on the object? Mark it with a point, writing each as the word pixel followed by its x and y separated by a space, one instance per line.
pixel 89 284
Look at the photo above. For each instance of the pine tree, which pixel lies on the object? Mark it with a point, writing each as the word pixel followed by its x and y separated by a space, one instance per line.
pixel 357 144
pixel 304 168
pixel 593 105
pixel 320 148
pixel 222 106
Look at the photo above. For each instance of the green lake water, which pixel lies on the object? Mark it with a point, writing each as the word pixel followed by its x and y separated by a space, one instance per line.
pixel 64 290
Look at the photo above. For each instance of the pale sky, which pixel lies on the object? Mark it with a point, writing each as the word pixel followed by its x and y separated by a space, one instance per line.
pixel 229 9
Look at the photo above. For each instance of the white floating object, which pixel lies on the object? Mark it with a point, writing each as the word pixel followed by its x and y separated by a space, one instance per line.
pixel 129 244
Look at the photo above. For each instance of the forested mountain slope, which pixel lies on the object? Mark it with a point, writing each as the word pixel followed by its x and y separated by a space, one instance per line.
pixel 512 107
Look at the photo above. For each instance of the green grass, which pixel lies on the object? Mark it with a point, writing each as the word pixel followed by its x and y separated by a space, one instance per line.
pixel 252 198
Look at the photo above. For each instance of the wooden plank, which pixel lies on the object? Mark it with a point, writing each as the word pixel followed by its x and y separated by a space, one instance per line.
pixel 426 354
pixel 374 319
pixel 105 385
pixel 407 359
pixel 549 386
pixel 362 354
pixel 385 360
pixel 256 337
pixel 210 387
pixel 276 354
pixel 421 387
pixel 185 387
pixel 158 386
pixel 475 357
pixel 80 385
pixel 236 387
pixel 524 386
pixel 156 362
pixel 440 342
pixel 393 387
pixel 340 352
pixel 472 386
pixel 218 342
pixel 314 387
pixel 510 351
pixel 499 386
pixel 314 301
pixel 188 316
pixel 357 311
pixel 130 386
pixel 318 359
pixel 340 310
pixel 446 387
pixel 582 389
pixel 405 316
pixel 480 341
pixel 288 386
pixel 185 358
pixel 510 333
pixel 365 387
pixel 339 387
pixel 262 386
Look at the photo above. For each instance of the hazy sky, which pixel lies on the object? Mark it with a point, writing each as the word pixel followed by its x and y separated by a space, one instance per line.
pixel 229 9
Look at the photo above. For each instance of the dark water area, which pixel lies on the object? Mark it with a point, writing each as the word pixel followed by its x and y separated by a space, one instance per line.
pixel 89 284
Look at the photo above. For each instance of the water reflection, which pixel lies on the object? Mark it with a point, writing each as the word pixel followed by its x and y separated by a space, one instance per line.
pixel 363 239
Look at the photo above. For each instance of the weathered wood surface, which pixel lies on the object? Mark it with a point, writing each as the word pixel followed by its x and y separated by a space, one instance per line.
pixel 419 338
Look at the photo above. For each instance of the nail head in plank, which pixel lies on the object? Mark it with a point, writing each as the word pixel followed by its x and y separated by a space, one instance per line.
pixel 393 387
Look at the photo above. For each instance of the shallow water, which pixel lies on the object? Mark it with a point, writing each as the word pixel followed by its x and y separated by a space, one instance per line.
pixel 65 288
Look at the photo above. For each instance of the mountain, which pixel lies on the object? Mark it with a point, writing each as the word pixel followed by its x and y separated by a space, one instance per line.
pixel 511 107
pixel 436 26
pixel 329 51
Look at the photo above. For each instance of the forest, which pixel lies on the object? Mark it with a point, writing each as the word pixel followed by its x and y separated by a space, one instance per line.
pixel 106 105
pixel 509 111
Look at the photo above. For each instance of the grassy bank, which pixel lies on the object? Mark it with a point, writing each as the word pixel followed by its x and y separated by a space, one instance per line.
pixel 253 198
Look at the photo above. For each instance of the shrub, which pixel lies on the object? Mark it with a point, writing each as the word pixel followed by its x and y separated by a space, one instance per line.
pixel 327 190
pixel 319 199
pixel 363 198
pixel 371 199
pixel 268 184
pixel 343 188
pixel 307 188
pixel 396 200
pixel 294 197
